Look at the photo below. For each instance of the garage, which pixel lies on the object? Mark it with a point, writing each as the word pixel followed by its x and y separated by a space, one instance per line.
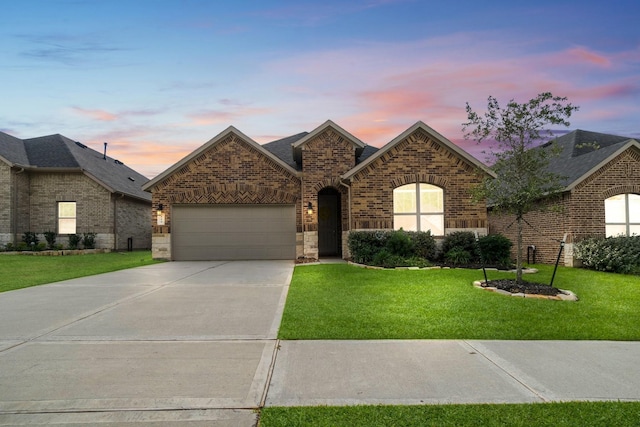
pixel 233 232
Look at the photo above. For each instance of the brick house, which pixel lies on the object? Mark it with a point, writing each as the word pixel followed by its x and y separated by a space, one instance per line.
pixel 301 196
pixel 52 183
pixel 601 175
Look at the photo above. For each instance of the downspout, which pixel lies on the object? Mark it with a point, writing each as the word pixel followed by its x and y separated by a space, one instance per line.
pixel 115 221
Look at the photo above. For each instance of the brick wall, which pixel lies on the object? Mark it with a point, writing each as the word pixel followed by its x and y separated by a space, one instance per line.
pixel 231 171
pixel 5 199
pixel 324 159
pixel 133 221
pixel 579 213
pixel 416 159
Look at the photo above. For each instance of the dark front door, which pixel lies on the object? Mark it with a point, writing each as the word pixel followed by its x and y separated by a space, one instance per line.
pixel 329 227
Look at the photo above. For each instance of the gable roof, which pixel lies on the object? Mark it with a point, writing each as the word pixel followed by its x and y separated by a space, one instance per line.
pixel 584 152
pixel 213 141
pixel 283 148
pixel 59 153
pixel 297 146
pixel 432 135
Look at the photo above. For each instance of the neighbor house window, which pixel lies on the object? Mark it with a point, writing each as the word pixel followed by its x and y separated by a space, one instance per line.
pixel 622 215
pixel 66 217
pixel 419 207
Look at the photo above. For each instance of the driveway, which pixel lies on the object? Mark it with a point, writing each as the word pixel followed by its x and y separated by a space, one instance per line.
pixel 167 343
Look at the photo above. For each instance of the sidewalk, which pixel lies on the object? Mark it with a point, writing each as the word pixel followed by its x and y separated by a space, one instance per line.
pixel 452 371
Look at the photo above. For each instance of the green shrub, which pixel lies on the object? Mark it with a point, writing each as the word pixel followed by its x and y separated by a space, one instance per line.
pixel 399 243
pixel 386 259
pixel 50 236
pixel 22 246
pixel 364 245
pixel 458 256
pixel 30 238
pixel 41 246
pixel 425 244
pixel 614 254
pixel 89 240
pixel 10 247
pixel 463 241
pixel 495 249
pixel 74 241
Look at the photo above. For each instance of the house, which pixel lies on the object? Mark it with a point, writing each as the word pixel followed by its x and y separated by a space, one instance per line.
pixel 299 197
pixel 601 196
pixel 53 183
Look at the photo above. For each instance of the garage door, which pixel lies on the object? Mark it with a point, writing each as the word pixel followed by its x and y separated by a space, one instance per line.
pixel 223 232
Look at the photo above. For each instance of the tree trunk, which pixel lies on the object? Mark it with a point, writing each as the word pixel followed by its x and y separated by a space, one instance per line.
pixel 519 251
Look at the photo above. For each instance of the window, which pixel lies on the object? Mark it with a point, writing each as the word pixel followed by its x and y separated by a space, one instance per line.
pixel 622 215
pixel 419 207
pixel 66 217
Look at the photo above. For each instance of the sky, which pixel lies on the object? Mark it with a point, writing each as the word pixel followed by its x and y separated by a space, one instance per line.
pixel 157 79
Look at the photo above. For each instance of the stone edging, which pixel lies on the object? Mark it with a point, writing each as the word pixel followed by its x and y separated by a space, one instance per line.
pixel 58 253
pixel 568 296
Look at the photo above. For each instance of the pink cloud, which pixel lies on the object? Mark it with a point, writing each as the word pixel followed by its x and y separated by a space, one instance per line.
pixel 236 111
pixel 100 115
pixel 584 55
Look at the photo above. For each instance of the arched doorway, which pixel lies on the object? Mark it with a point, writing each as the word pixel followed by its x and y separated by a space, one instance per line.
pixel 329 223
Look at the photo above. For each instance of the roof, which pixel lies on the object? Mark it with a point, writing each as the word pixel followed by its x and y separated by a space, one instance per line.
pixel 297 146
pixel 372 156
pixel 12 150
pixel 584 152
pixel 283 148
pixel 213 141
pixel 57 152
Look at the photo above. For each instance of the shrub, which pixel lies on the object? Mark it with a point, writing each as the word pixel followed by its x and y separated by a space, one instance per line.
pixel 40 246
pixel 50 236
pixel 9 247
pixel 386 259
pixel 495 249
pixel 458 256
pixel 364 245
pixel 399 243
pixel 89 240
pixel 463 241
pixel 614 254
pixel 30 238
pixel 22 246
pixel 74 241
pixel 425 244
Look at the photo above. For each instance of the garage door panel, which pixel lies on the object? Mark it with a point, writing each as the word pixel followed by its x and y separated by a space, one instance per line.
pixel 210 232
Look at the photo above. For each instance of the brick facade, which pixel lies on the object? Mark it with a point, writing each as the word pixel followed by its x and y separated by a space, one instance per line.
pixel 232 169
pixel 579 212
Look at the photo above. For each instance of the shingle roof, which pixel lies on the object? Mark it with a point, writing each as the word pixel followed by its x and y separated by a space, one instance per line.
pixel 12 150
pixel 282 148
pixel 60 152
pixel 582 151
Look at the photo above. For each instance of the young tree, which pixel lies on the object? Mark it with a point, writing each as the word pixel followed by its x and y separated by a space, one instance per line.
pixel 521 168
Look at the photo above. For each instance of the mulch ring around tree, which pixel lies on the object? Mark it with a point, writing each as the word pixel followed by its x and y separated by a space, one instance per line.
pixel 526 289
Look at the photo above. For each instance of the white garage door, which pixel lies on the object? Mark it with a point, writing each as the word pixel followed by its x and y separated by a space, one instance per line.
pixel 233 232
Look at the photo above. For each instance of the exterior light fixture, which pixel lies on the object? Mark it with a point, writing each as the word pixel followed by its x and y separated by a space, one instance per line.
pixel 160 207
pixel 310 208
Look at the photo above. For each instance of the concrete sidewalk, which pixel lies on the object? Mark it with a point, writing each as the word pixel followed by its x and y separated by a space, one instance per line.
pixel 453 371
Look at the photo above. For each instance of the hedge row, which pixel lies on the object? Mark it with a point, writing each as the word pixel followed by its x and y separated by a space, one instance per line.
pixel 410 248
pixel 614 254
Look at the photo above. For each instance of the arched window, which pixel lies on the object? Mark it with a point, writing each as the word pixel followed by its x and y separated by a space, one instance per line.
pixel 622 215
pixel 419 207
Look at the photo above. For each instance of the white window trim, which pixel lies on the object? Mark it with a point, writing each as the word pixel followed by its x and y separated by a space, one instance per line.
pixel 418 214
pixel 627 223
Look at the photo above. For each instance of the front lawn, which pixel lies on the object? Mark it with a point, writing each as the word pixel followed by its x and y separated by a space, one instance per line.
pixel 338 301
pixel 576 414
pixel 21 271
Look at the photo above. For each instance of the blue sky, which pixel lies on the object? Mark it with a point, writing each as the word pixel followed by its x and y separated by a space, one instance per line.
pixel 157 79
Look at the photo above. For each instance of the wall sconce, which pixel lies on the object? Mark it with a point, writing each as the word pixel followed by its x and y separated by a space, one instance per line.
pixel 160 207
pixel 310 208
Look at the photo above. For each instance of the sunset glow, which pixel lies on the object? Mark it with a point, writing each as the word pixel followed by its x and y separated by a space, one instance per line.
pixel 157 79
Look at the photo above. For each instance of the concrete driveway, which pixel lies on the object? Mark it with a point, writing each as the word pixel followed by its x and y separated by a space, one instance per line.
pixel 167 343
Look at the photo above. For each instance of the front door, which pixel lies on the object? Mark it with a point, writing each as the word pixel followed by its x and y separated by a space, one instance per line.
pixel 329 227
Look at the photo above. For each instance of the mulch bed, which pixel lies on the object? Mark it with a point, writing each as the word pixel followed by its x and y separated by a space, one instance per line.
pixel 512 286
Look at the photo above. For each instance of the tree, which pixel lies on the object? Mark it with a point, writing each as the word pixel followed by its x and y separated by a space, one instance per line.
pixel 521 168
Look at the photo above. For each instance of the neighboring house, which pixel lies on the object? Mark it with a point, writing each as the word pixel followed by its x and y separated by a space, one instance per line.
pixel 299 197
pixel 601 196
pixel 55 184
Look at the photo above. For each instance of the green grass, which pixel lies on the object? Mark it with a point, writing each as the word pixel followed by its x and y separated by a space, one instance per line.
pixel 577 414
pixel 22 271
pixel 345 302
